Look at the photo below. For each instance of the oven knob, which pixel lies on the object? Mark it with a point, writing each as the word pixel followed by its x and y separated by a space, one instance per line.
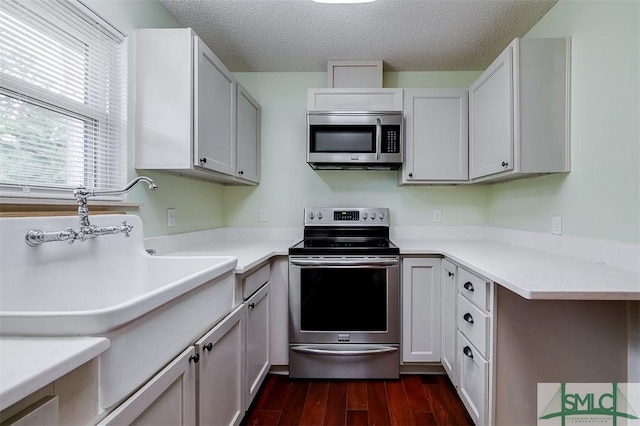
pixel 319 215
pixel 373 215
pixel 364 215
pixel 311 216
pixel 381 215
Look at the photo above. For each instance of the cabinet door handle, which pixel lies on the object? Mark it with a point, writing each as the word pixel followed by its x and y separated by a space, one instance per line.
pixel 505 164
pixel 410 174
pixel 208 347
pixel 468 286
pixel 467 351
pixel 195 358
pixel 468 318
pixel 252 305
pixel 450 273
pixel 241 172
pixel 203 160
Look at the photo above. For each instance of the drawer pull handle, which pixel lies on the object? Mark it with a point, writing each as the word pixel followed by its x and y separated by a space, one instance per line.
pixel 468 318
pixel 468 286
pixel 467 351
pixel 195 358
pixel 208 347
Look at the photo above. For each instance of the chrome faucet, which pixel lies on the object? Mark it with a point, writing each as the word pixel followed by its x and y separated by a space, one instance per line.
pixel 87 231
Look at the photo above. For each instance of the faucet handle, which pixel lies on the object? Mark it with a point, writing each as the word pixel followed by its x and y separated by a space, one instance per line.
pixel 126 228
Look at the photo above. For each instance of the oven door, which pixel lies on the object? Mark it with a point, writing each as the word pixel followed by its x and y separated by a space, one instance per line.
pixel 344 299
pixel 344 317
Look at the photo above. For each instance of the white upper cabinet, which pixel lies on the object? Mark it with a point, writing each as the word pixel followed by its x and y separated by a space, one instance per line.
pixel 519 112
pixel 247 135
pixel 436 136
pixel 354 99
pixel 215 113
pixel 191 118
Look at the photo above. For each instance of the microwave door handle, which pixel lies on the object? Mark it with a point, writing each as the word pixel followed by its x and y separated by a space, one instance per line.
pixel 378 137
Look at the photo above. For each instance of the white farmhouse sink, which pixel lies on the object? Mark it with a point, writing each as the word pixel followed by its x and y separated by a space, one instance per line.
pixel 150 307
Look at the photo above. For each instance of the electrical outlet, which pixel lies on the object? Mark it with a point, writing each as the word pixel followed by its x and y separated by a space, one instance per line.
pixel 264 217
pixel 171 217
pixel 556 225
pixel 437 216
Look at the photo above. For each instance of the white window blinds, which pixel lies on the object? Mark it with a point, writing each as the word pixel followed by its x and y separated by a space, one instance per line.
pixel 62 98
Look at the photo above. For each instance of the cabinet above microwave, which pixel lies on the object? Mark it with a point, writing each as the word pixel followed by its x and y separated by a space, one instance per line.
pixel 348 99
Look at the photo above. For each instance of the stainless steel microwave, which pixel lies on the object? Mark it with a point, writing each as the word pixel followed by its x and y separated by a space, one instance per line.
pixel 354 139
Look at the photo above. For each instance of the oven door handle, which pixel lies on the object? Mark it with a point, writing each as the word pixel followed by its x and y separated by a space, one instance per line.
pixel 359 263
pixel 378 137
pixel 338 351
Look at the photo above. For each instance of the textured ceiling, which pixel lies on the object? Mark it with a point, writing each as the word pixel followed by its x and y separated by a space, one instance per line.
pixel 408 35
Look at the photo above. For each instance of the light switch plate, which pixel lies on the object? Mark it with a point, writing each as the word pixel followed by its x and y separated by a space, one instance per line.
pixel 171 217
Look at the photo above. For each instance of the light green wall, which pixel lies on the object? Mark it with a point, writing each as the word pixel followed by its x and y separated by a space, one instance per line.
pixel 198 204
pixel 600 198
pixel 288 184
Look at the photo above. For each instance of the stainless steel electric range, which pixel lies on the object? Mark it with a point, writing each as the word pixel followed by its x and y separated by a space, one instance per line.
pixel 344 296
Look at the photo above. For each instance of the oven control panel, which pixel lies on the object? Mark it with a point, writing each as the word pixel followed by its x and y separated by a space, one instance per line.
pixel 354 216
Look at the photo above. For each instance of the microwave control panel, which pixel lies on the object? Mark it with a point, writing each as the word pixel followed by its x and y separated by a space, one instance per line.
pixel 390 139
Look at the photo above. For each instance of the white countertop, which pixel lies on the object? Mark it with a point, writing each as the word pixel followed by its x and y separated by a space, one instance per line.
pixel 532 274
pixel 249 253
pixel 29 363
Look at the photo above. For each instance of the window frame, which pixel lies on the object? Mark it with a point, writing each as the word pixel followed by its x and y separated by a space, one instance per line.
pixel 15 88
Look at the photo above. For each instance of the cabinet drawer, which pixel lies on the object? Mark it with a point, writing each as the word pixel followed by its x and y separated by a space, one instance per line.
pixel 474 288
pixel 473 380
pixel 474 324
pixel 256 280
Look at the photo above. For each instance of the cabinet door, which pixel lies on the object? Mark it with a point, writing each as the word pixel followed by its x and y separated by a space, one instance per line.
pixel 247 136
pixel 43 412
pixel 214 115
pixel 279 300
pixel 420 310
pixel 436 134
pixel 491 118
pixel 257 347
pixel 449 319
pixel 167 399
pixel 473 380
pixel 220 372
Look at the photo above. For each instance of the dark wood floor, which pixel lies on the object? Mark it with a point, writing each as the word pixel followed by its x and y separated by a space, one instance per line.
pixel 412 400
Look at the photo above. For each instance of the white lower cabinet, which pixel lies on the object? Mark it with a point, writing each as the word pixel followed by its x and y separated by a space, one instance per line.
pixel 203 385
pixel 43 412
pixel 167 399
pixel 221 372
pixel 214 381
pixel 257 342
pixel 421 309
pixel 474 344
pixel 448 306
pixel 473 380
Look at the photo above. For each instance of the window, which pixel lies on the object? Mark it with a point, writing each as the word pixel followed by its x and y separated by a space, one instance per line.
pixel 62 99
